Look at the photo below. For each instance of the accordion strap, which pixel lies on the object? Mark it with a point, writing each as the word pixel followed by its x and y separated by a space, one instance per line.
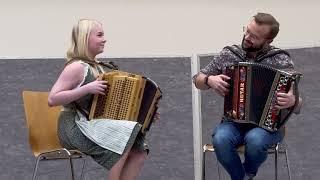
pixel 291 109
pixel 238 54
pixel 109 65
pixel 81 110
pixel 235 52
pixel 279 51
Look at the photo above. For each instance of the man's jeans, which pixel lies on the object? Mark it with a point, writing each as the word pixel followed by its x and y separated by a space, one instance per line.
pixel 229 135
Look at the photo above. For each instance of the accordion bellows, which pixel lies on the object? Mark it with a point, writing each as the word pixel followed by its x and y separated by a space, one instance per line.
pixel 128 97
pixel 252 94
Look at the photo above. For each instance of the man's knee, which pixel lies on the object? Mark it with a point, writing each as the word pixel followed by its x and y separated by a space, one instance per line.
pixel 222 140
pixel 225 136
pixel 255 142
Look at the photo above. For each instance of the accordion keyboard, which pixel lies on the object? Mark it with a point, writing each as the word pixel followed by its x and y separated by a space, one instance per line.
pixel 123 95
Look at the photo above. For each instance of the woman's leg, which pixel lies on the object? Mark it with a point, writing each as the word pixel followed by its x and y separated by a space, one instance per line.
pixel 115 171
pixel 133 165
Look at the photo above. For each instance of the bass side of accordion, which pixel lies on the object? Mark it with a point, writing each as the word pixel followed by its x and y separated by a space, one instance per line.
pixel 128 97
pixel 252 96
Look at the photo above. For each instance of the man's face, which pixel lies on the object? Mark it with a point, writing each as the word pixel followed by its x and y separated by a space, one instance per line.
pixel 255 37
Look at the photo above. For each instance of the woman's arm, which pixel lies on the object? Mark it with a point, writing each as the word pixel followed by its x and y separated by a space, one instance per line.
pixel 64 91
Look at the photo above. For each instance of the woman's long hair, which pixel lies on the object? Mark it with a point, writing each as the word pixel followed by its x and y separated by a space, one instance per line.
pixel 79 39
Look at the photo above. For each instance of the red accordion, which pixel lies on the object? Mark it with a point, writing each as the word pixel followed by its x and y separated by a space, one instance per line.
pixel 252 94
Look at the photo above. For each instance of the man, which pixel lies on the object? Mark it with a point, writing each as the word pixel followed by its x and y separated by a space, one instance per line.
pixel 228 135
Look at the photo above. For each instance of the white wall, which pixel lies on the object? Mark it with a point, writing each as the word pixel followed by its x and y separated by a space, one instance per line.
pixel 139 28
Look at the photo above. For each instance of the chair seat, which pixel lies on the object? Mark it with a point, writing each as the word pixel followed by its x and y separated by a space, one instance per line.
pixel 241 148
pixel 61 154
pixel 210 147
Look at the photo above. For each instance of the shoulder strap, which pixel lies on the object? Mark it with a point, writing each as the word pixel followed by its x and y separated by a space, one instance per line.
pixel 279 51
pixel 82 111
pixel 291 109
pixel 109 65
pixel 232 49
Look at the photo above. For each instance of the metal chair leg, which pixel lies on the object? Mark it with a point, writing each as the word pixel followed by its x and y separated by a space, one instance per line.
pixel 83 166
pixel 205 149
pixel 204 165
pixel 36 167
pixel 60 153
pixel 287 162
pixel 68 153
pixel 276 151
pixel 218 167
pixel 71 167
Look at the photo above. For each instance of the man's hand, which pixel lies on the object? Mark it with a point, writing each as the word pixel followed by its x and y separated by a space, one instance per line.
pixel 286 100
pixel 219 84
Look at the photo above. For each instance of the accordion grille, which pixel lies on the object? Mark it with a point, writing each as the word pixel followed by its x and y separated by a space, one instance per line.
pixel 122 99
pixel 128 99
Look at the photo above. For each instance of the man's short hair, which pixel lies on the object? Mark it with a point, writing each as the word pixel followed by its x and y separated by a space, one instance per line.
pixel 268 19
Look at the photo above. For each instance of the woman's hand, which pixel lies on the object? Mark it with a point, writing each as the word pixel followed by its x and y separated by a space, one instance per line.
pixel 96 87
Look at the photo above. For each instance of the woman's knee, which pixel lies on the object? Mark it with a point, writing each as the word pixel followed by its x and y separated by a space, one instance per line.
pixel 138 156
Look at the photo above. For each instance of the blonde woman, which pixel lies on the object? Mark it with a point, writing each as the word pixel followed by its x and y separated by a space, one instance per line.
pixel 116 145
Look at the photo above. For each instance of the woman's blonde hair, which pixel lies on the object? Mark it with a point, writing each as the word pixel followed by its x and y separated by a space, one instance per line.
pixel 79 39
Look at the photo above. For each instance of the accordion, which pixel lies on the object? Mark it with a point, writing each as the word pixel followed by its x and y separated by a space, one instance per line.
pixel 128 97
pixel 252 94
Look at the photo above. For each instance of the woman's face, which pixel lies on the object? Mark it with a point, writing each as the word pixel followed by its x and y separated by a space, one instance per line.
pixel 96 40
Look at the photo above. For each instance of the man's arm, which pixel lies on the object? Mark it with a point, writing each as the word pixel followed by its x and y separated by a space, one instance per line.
pixel 201 80
pixel 298 107
pixel 218 83
pixel 286 100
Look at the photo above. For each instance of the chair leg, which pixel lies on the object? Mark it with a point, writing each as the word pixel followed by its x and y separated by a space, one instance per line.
pixel 218 168
pixel 204 165
pixel 276 152
pixel 71 167
pixel 36 167
pixel 83 166
pixel 68 153
pixel 287 162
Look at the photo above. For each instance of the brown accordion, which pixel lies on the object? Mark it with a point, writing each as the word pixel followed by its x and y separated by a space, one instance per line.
pixel 252 94
pixel 128 97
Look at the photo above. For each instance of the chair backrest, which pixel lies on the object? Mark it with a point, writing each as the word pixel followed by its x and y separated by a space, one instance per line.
pixel 41 121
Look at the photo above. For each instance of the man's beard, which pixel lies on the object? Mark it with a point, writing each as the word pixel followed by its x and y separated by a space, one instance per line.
pixel 251 49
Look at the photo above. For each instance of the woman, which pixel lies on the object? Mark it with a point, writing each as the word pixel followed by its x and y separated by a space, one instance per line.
pixel 123 155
